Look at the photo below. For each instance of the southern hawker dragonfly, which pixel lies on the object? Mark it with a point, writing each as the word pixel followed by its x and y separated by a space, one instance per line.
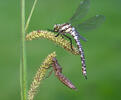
pixel 74 26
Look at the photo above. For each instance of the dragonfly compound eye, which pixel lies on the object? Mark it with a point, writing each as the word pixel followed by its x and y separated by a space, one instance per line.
pixel 56 27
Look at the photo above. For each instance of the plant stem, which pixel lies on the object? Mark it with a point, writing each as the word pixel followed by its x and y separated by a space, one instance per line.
pixel 23 55
pixel 27 23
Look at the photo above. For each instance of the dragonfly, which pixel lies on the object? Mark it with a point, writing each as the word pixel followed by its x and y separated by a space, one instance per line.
pixel 74 26
pixel 58 73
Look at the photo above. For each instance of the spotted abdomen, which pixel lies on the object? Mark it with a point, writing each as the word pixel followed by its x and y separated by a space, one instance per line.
pixel 81 52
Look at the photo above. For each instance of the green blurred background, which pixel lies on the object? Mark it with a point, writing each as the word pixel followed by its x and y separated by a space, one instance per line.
pixel 102 51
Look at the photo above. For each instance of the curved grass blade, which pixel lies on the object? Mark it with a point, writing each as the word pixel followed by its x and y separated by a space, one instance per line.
pixel 80 12
pixel 90 24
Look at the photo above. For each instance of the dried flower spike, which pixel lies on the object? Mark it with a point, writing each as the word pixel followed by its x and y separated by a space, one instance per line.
pixel 40 75
pixel 51 36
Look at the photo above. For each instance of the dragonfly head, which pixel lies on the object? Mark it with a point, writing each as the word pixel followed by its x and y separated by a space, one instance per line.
pixel 56 27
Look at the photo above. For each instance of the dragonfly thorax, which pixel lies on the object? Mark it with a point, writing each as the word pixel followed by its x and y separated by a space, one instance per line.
pixel 63 28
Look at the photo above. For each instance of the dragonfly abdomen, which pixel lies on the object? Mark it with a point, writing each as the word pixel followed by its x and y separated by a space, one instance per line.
pixel 76 38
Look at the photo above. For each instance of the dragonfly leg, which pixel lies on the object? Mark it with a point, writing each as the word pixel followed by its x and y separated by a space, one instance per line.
pixel 49 74
pixel 46 67
pixel 69 39
pixel 57 34
pixel 62 35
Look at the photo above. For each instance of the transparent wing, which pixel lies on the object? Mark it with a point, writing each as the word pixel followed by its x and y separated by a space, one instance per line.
pixel 80 12
pixel 90 24
pixel 81 37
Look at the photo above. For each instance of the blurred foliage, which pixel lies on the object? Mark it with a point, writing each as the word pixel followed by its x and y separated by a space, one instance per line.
pixel 103 51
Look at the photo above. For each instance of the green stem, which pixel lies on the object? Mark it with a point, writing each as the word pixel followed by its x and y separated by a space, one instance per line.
pixel 23 66
pixel 27 23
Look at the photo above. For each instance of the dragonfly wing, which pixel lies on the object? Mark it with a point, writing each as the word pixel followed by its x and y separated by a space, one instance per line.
pixel 90 24
pixel 81 37
pixel 81 11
